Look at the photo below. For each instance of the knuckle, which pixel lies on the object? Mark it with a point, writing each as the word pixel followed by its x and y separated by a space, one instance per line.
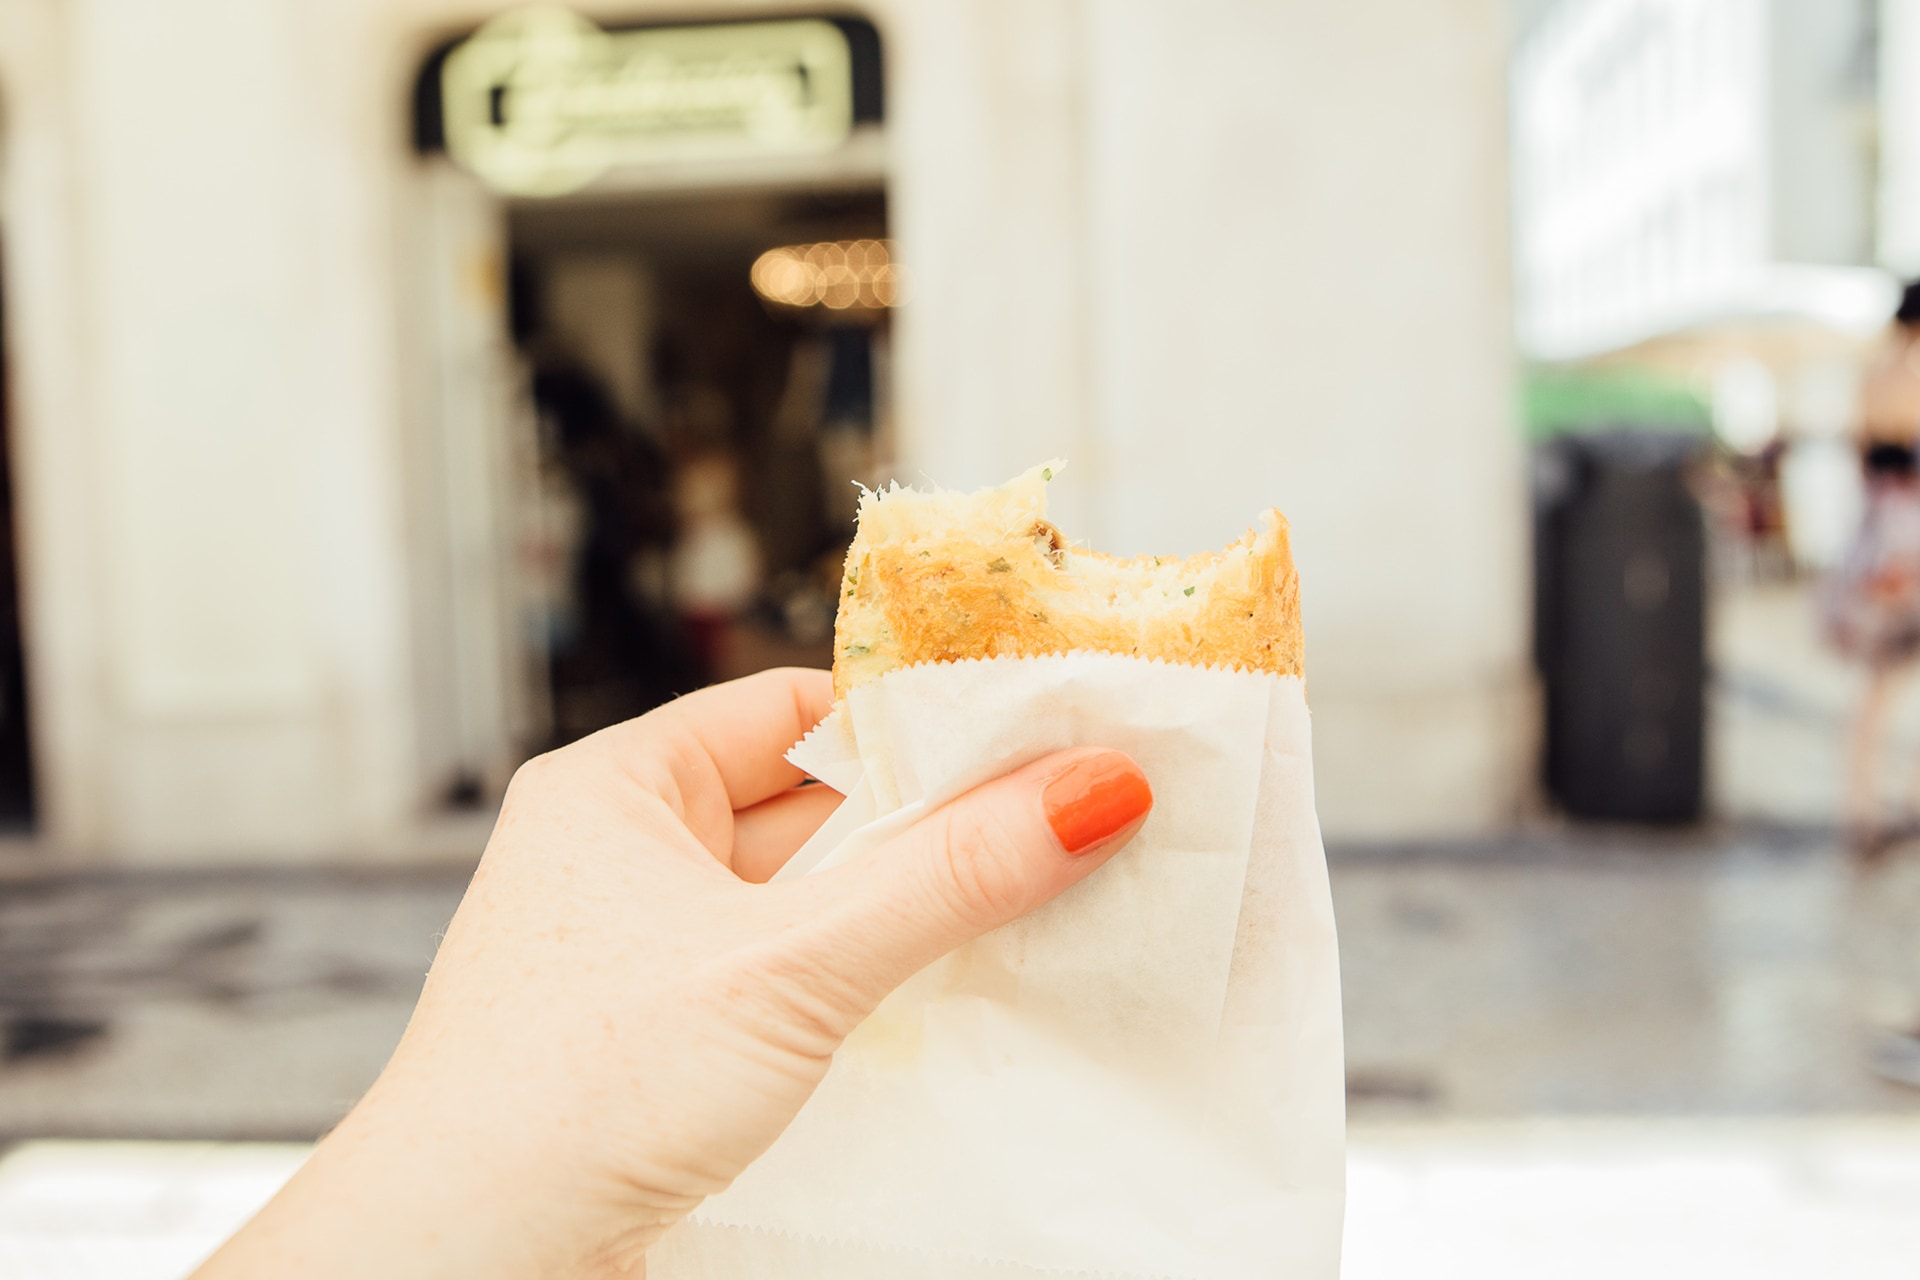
pixel 795 1005
pixel 984 867
pixel 537 784
pixel 532 779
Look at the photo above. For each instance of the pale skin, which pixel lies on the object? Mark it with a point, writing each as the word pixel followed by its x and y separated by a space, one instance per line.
pixel 624 1013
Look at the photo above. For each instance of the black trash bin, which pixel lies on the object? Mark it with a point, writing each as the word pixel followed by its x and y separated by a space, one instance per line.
pixel 1620 624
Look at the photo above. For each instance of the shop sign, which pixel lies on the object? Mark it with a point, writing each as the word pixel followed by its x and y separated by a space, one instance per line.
pixel 541 101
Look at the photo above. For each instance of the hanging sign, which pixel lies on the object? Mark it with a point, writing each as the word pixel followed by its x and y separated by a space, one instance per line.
pixel 541 101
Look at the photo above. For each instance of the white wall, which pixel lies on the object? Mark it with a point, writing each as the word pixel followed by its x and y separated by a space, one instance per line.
pixel 1681 163
pixel 202 325
pixel 1898 223
pixel 1643 168
pixel 1823 121
pixel 1220 254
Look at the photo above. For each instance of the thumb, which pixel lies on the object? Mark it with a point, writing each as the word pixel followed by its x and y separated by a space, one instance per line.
pixel 982 860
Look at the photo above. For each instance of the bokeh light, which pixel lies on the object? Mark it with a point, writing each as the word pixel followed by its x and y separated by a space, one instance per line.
pixel 839 275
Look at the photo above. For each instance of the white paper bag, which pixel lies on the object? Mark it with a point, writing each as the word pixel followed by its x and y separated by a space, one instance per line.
pixel 1142 1079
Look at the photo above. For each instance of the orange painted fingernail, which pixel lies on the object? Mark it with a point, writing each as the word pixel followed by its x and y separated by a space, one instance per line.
pixel 1095 799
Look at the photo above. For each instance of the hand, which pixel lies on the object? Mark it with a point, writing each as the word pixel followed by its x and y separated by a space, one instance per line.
pixel 624 1013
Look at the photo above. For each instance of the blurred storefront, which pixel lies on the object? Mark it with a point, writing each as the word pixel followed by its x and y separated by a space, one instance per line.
pixel 682 362
pixel 310 405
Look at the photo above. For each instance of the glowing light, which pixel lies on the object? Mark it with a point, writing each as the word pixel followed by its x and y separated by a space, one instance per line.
pixel 838 275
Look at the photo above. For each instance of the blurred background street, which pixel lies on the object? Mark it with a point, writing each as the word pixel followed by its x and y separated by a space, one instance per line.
pixel 391 390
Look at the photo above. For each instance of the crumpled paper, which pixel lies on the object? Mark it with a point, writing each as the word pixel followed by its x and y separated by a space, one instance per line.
pixel 1143 1078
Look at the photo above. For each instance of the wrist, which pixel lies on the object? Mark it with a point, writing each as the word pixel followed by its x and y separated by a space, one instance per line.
pixel 398 1191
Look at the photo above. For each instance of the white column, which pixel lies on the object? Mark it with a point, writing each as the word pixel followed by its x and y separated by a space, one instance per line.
pixel 54 473
pixel 252 672
pixel 983 103
pixel 1257 256
pixel 1300 297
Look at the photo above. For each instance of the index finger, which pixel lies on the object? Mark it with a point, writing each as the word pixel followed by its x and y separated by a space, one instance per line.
pixel 744 727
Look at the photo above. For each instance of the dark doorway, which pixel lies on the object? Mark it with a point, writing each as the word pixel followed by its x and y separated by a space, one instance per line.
pixel 16 756
pixel 698 443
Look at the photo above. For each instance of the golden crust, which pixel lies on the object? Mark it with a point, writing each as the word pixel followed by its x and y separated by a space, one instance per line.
pixel 944 593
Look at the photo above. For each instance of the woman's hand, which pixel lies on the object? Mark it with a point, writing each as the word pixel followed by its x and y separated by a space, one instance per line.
pixel 624 1013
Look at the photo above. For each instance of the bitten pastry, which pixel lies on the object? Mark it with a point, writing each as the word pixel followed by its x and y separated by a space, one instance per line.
pixel 938 576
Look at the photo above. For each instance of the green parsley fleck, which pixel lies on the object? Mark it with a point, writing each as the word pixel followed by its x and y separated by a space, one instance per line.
pixel 999 565
pixel 1187 592
pixel 1046 473
pixel 858 651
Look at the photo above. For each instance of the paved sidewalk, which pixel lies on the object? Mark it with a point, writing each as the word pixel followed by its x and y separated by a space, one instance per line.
pixel 1589 972
pixel 1572 972
pixel 236 1005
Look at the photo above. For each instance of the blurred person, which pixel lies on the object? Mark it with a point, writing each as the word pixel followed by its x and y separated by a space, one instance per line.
pixel 1872 613
pixel 1871 603
pixel 625 1012
pixel 715 566
pixel 618 654
pixel 553 526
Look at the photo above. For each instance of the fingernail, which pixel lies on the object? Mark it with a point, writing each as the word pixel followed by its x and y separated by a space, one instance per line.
pixel 1093 800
